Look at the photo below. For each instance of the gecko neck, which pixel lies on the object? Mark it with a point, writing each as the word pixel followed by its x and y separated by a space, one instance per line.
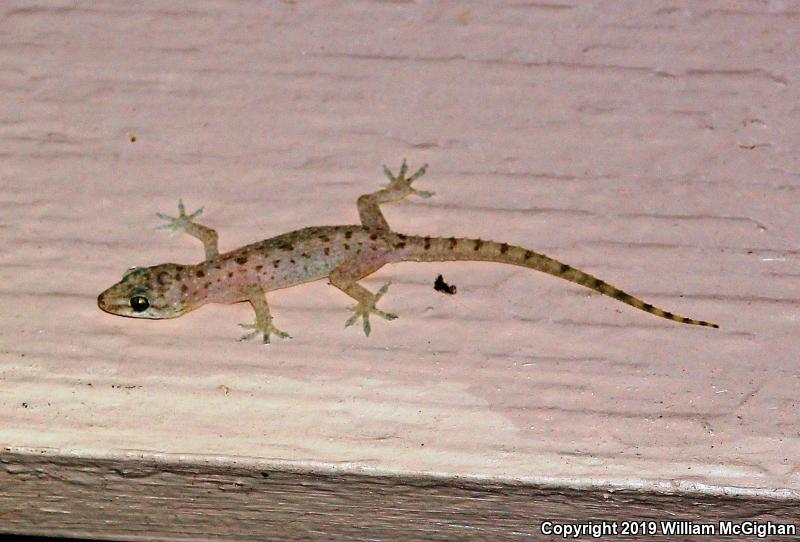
pixel 215 281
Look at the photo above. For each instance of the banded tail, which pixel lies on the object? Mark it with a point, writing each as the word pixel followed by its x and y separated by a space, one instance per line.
pixel 437 249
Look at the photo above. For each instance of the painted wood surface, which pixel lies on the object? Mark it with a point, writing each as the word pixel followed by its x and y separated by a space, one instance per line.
pixel 652 144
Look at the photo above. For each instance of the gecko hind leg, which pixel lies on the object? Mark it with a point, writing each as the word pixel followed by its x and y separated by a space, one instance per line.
pixel 363 309
pixel 186 223
pixel 399 187
pixel 345 276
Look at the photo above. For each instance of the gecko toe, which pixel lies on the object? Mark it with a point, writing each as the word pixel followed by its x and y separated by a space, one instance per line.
pixel 424 194
pixel 367 326
pixel 385 315
pixel 401 184
pixel 353 319
pixel 266 330
pixel 363 312
pixel 180 222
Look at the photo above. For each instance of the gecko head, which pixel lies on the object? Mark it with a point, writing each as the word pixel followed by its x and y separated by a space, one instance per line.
pixel 148 292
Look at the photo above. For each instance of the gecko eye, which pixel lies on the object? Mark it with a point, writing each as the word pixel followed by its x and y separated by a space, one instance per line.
pixel 139 303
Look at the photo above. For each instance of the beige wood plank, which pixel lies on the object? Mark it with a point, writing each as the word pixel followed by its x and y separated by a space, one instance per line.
pixel 194 498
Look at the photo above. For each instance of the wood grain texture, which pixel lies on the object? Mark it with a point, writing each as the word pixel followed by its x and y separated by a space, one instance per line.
pixel 652 144
pixel 172 498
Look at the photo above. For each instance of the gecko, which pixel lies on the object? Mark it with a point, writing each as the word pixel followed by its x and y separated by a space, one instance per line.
pixel 342 254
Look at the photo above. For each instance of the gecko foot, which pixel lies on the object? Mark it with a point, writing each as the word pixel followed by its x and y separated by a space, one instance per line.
pixel 362 311
pixel 402 183
pixel 266 328
pixel 181 221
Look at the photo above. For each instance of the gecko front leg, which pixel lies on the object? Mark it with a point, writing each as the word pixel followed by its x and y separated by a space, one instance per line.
pixel 399 187
pixel 345 276
pixel 186 223
pixel 263 323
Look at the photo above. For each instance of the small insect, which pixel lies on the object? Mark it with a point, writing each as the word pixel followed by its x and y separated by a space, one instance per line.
pixel 343 254
pixel 441 286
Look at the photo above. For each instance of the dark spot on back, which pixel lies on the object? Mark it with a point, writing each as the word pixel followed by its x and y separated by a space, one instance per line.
pixel 292 261
pixel 668 315
pixel 528 254
pixel 241 260
pixel 200 273
pixel 324 238
pixel 647 307
pixel 230 274
pixel 327 251
pixel 564 268
pixel 689 321
pixel 400 245
pixel 503 248
pixel 346 246
pixel 453 242
pixel 178 277
pixel 427 242
pixel 305 255
pixel 283 244
pixel 178 268
pixel 348 234
pixel 478 244
pixel 374 236
pixel 402 236
pixel 259 267
pixel 276 263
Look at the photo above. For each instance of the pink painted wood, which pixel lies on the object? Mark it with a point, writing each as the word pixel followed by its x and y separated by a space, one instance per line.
pixel 652 144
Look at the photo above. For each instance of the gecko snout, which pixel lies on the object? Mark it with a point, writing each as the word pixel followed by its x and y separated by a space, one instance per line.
pixel 101 301
pixel 112 302
pixel 147 292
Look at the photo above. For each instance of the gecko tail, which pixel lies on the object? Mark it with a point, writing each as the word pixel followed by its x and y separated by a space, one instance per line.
pixel 437 249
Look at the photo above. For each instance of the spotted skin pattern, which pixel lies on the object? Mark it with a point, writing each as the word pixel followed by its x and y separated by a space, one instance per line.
pixel 343 254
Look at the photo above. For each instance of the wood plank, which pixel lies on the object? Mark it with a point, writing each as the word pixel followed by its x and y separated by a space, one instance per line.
pixel 652 145
pixel 136 497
